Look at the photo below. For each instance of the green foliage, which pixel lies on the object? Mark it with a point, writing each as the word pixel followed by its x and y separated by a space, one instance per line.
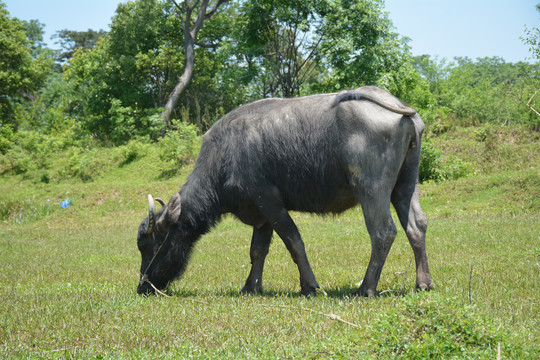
pixel 407 84
pixel 532 39
pixel 115 99
pixel 84 164
pixel 133 150
pixel 124 123
pixel 71 40
pixel 6 137
pixel 488 90
pixel 29 153
pixel 436 167
pixel 59 158
pixel 115 84
pixel 178 146
pixel 20 74
pixel 362 48
pixel 317 46
pixel 50 111
pixel 434 326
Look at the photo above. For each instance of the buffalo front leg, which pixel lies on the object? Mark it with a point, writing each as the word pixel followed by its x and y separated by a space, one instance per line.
pixel 260 243
pixel 285 227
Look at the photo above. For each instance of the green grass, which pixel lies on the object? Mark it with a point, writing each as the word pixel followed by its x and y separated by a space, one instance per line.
pixel 68 276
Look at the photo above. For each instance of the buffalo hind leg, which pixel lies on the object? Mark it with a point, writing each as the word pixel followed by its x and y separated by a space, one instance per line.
pixel 413 220
pixel 285 227
pixel 260 243
pixel 382 232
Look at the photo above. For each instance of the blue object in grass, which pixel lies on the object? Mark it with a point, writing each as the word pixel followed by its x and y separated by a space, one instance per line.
pixel 66 203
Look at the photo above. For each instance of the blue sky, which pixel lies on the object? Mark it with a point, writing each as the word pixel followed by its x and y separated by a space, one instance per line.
pixel 443 28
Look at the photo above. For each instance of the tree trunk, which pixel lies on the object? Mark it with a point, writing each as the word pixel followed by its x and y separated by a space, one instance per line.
pixel 190 35
pixel 183 81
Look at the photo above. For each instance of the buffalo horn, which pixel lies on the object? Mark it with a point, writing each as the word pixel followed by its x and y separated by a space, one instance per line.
pixel 161 202
pixel 151 215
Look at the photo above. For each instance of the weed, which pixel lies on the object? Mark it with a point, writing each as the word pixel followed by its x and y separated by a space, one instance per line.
pixel 26 211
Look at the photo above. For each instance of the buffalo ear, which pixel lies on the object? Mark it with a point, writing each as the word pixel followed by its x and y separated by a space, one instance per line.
pixel 174 208
pixel 170 215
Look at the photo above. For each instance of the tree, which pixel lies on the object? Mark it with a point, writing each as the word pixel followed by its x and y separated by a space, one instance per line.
pixel 190 30
pixel 487 90
pixel 359 43
pixel 20 74
pixel 278 40
pixel 34 33
pixel 124 81
pixel 71 40
pixel 318 46
pixel 533 40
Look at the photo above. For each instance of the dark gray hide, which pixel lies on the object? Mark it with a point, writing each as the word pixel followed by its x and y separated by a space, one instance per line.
pixel 321 154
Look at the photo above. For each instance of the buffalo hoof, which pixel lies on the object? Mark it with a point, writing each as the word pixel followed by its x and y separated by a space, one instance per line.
pixel 251 290
pixel 368 293
pixel 424 286
pixel 309 290
pixel 364 292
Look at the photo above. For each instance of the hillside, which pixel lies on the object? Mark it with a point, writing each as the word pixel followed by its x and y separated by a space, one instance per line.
pixel 69 274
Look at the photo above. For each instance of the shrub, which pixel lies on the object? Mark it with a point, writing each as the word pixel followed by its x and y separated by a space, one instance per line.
pixel 84 164
pixel 178 147
pixel 6 138
pixel 123 123
pixel 29 151
pixel 133 150
pixel 434 166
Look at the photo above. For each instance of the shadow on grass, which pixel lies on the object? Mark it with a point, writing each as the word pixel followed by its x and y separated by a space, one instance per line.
pixel 345 292
pixel 168 174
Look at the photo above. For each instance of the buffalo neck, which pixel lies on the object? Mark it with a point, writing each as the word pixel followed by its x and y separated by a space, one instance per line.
pixel 200 204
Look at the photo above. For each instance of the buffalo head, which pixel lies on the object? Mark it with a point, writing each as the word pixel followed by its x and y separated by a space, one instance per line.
pixel 158 242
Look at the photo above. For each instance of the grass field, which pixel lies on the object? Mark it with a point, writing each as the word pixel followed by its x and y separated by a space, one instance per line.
pixel 68 276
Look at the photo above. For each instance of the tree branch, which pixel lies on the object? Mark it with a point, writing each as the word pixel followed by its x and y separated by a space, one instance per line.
pixel 200 18
pixel 212 12
pixel 529 103
pixel 181 9
pixel 208 46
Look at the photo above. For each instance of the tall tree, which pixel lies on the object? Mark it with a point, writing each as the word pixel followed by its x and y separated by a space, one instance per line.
pixel 71 40
pixel 279 38
pixel 190 29
pixel 319 45
pixel 34 34
pixel 20 74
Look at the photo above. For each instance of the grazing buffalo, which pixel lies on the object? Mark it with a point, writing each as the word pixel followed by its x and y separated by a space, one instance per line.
pixel 320 154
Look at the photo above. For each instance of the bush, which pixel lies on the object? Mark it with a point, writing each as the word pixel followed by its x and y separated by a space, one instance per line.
pixel 133 150
pixel 434 166
pixel 84 164
pixel 28 151
pixel 6 138
pixel 431 326
pixel 179 145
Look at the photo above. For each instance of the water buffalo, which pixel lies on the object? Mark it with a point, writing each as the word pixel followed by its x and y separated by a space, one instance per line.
pixel 320 154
